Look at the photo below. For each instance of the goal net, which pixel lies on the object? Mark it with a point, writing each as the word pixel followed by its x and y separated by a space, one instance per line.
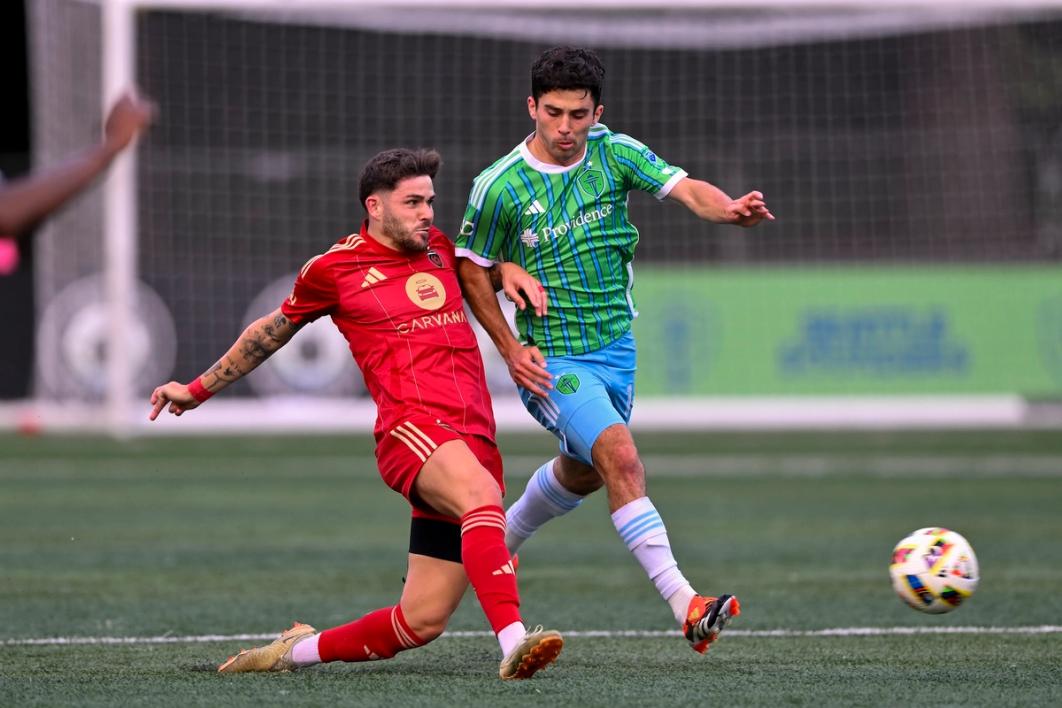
pixel 912 153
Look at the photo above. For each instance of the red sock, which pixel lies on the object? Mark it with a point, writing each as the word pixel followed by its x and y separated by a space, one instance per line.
pixel 489 566
pixel 378 635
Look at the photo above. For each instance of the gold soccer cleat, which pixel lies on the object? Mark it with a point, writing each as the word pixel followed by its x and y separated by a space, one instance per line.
pixel 271 657
pixel 538 650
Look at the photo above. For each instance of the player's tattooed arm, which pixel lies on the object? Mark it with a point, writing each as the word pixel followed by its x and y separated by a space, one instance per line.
pixel 257 343
pixel 263 337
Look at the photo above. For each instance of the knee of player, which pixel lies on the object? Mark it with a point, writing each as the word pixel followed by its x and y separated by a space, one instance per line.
pixel 480 490
pixel 580 479
pixel 587 484
pixel 625 463
pixel 428 625
pixel 460 492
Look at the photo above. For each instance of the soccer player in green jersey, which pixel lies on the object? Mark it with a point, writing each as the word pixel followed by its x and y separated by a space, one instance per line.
pixel 557 206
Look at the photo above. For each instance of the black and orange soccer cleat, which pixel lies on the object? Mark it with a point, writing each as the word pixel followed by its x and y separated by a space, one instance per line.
pixel 706 618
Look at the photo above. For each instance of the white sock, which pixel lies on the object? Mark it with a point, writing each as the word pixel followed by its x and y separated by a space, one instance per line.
pixel 304 652
pixel 680 602
pixel 642 529
pixel 543 499
pixel 511 636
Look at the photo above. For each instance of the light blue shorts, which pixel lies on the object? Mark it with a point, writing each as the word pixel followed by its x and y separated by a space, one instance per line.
pixel 590 393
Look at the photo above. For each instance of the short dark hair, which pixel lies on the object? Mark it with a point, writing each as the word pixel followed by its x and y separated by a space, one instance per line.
pixel 388 168
pixel 566 68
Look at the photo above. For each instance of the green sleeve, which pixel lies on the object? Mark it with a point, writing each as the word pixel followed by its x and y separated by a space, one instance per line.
pixel 485 227
pixel 642 168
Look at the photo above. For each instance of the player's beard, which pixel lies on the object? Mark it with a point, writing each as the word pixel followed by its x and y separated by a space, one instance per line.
pixel 404 238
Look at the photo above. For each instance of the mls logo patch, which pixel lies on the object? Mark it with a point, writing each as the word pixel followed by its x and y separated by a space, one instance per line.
pixel 435 258
pixel 592 183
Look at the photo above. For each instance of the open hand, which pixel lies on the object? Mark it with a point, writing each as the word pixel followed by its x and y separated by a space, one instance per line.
pixel 527 367
pixel 748 210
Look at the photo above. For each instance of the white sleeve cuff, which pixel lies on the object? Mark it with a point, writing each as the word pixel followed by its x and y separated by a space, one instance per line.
pixel 474 257
pixel 670 184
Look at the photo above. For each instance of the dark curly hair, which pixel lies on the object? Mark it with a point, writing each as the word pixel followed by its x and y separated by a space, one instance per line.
pixel 388 168
pixel 566 68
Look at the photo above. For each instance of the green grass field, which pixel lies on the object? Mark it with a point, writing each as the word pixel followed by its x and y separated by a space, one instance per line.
pixel 187 538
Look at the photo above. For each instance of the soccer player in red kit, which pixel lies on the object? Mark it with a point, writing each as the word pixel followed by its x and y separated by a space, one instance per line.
pixel 391 289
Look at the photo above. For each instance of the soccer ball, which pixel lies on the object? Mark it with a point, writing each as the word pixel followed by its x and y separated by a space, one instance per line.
pixel 934 570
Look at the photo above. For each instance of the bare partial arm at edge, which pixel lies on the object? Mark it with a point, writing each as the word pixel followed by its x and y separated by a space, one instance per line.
pixel 26 201
pixel 479 292
pixel 261 338
pixel 526 364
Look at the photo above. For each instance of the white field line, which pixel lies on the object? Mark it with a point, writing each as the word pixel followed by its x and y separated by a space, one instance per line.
pixel 658 466
pixel 605 633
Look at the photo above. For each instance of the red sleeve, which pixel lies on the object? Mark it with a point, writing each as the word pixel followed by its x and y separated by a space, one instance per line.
pixel 314 293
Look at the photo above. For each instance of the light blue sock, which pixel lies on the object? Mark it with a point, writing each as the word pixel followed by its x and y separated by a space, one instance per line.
pixel 543 499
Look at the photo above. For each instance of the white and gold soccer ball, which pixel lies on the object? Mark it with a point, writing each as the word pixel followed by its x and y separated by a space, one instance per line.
pixel 934 570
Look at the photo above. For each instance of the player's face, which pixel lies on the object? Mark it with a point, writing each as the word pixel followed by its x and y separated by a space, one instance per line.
pixel 563 119
pixel 406 213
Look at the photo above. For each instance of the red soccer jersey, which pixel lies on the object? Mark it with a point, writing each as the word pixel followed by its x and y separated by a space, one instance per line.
pixel 404 318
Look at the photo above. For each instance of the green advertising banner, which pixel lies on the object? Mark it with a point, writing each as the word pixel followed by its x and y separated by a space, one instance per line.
pixel 849 330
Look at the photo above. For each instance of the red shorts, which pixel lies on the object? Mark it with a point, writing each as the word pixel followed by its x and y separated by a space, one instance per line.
pixel 402 451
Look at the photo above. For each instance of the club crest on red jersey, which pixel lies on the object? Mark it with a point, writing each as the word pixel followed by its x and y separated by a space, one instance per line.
pixel 426 291
pixel 435 258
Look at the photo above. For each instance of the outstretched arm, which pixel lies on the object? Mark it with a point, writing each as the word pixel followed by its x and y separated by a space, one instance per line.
pixel 712 204
pixel 26 201
pixel 261 338
pixel 526 364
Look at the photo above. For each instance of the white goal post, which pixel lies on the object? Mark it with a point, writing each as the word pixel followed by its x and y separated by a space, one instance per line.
pixel 858 45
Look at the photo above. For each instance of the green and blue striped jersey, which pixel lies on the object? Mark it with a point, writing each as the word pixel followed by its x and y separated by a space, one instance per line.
pixel 567 226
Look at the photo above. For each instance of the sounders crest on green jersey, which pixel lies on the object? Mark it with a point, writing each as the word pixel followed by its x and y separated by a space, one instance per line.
pixel 592 182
